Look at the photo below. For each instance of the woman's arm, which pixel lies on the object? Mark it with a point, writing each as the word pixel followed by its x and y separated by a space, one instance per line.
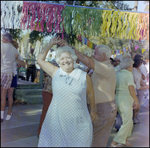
pixel 46 66
pixel 91 97
pixel 144 87
pixel 133 95
pixel 20 62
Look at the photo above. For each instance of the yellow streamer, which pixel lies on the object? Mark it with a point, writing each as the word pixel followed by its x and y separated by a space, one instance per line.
pixel 126 23
pixel 135 26
pixel 104 16
pixel 119 24
pixel 139 23
pixel 108 22
pixel 124 18
pixel 132 25
pixel 114 22
pixel 143 50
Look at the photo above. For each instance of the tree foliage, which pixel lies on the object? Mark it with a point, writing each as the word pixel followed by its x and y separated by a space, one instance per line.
pixel 147 6
pixel 105 4
pixel 16 33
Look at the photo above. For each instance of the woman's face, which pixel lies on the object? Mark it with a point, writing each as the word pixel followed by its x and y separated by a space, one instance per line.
pixel 66 62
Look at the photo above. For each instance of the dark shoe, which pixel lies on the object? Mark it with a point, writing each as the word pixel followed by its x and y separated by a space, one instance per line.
pixel 136 122
pixel 2 120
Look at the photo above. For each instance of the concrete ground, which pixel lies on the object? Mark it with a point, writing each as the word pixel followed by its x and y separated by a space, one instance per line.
pixel 21 130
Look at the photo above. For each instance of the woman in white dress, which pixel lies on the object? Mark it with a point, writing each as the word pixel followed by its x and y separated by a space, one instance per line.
pixel 67 122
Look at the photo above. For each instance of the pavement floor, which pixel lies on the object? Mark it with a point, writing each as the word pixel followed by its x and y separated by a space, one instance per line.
pixel 21 129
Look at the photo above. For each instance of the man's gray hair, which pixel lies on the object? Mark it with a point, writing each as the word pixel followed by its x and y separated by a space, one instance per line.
pixel 65 49
pixel 7 36
pixel 104 49
pixel 126 61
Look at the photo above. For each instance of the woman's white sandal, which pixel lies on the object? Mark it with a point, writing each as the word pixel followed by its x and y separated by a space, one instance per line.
pixel 117 145
pixel 8 117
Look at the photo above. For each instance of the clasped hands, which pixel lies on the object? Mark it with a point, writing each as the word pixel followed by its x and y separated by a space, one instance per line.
pixel 58 41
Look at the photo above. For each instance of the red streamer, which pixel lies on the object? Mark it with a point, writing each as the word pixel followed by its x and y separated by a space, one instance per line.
pixel 46 12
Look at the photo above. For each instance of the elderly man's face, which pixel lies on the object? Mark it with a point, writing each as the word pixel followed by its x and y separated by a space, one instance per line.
pixel 98 55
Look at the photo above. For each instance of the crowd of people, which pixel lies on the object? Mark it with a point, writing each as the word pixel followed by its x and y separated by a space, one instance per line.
pixel 83 97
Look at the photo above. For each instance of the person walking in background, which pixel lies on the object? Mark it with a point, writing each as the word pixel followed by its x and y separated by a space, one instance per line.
pixel 67 122
pixel 31 68
pixel 9 55
pixel 138 76
pixel 104 82
pixel 47 96
pixel 126 100
pixel 19 62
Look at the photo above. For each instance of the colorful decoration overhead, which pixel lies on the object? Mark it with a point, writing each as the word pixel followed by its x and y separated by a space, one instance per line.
pixel 76 20
pixel 48 14
pixel 107 23
pixel 10 16
pixel 136 47
pixel 91 45
pixel 143 50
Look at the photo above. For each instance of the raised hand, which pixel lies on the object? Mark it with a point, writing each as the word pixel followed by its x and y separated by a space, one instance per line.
pixel 55 40
pixel 62 43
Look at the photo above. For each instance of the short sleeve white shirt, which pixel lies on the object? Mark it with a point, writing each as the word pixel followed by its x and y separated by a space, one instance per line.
pixel 8 52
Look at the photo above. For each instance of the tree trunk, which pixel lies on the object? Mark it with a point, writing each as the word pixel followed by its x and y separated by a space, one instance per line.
pixel 135 6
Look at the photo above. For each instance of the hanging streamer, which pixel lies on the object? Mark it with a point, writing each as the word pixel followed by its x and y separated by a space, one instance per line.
pixel 10 16
pixel 143 50
pixel 47 13
pixel 136 47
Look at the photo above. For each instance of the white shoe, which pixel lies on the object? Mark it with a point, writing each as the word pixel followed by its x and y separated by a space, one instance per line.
pixel 2 116
pixel 8 117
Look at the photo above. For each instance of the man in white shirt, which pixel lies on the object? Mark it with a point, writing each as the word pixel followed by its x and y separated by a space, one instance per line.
pixel 8 52
pixel 31 68
pixel 144 72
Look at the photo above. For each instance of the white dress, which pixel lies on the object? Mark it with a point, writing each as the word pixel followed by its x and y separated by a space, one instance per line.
pixel 67 122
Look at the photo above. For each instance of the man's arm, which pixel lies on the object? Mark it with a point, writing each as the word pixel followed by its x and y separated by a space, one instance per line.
pixel 20 62
pixel 19 59
pixel 90 97
pixel 89 62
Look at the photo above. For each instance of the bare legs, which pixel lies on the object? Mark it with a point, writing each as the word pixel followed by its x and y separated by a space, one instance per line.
pixel 3 98
pixel 10 99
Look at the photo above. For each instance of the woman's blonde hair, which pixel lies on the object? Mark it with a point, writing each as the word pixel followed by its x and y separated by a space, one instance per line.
pixel 65 49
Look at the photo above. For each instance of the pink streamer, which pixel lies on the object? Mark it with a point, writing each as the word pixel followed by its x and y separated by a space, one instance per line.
pixel 62 35
pixel 58 20
pixel 43 10
pixel 32 22
pixel 24 18
pixel 43 18
pixel 39 16
pixel 50 19
pixel 136 47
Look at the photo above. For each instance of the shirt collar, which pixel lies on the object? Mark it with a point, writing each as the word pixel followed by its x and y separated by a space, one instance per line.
pixel 107 62
pixel 75 73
